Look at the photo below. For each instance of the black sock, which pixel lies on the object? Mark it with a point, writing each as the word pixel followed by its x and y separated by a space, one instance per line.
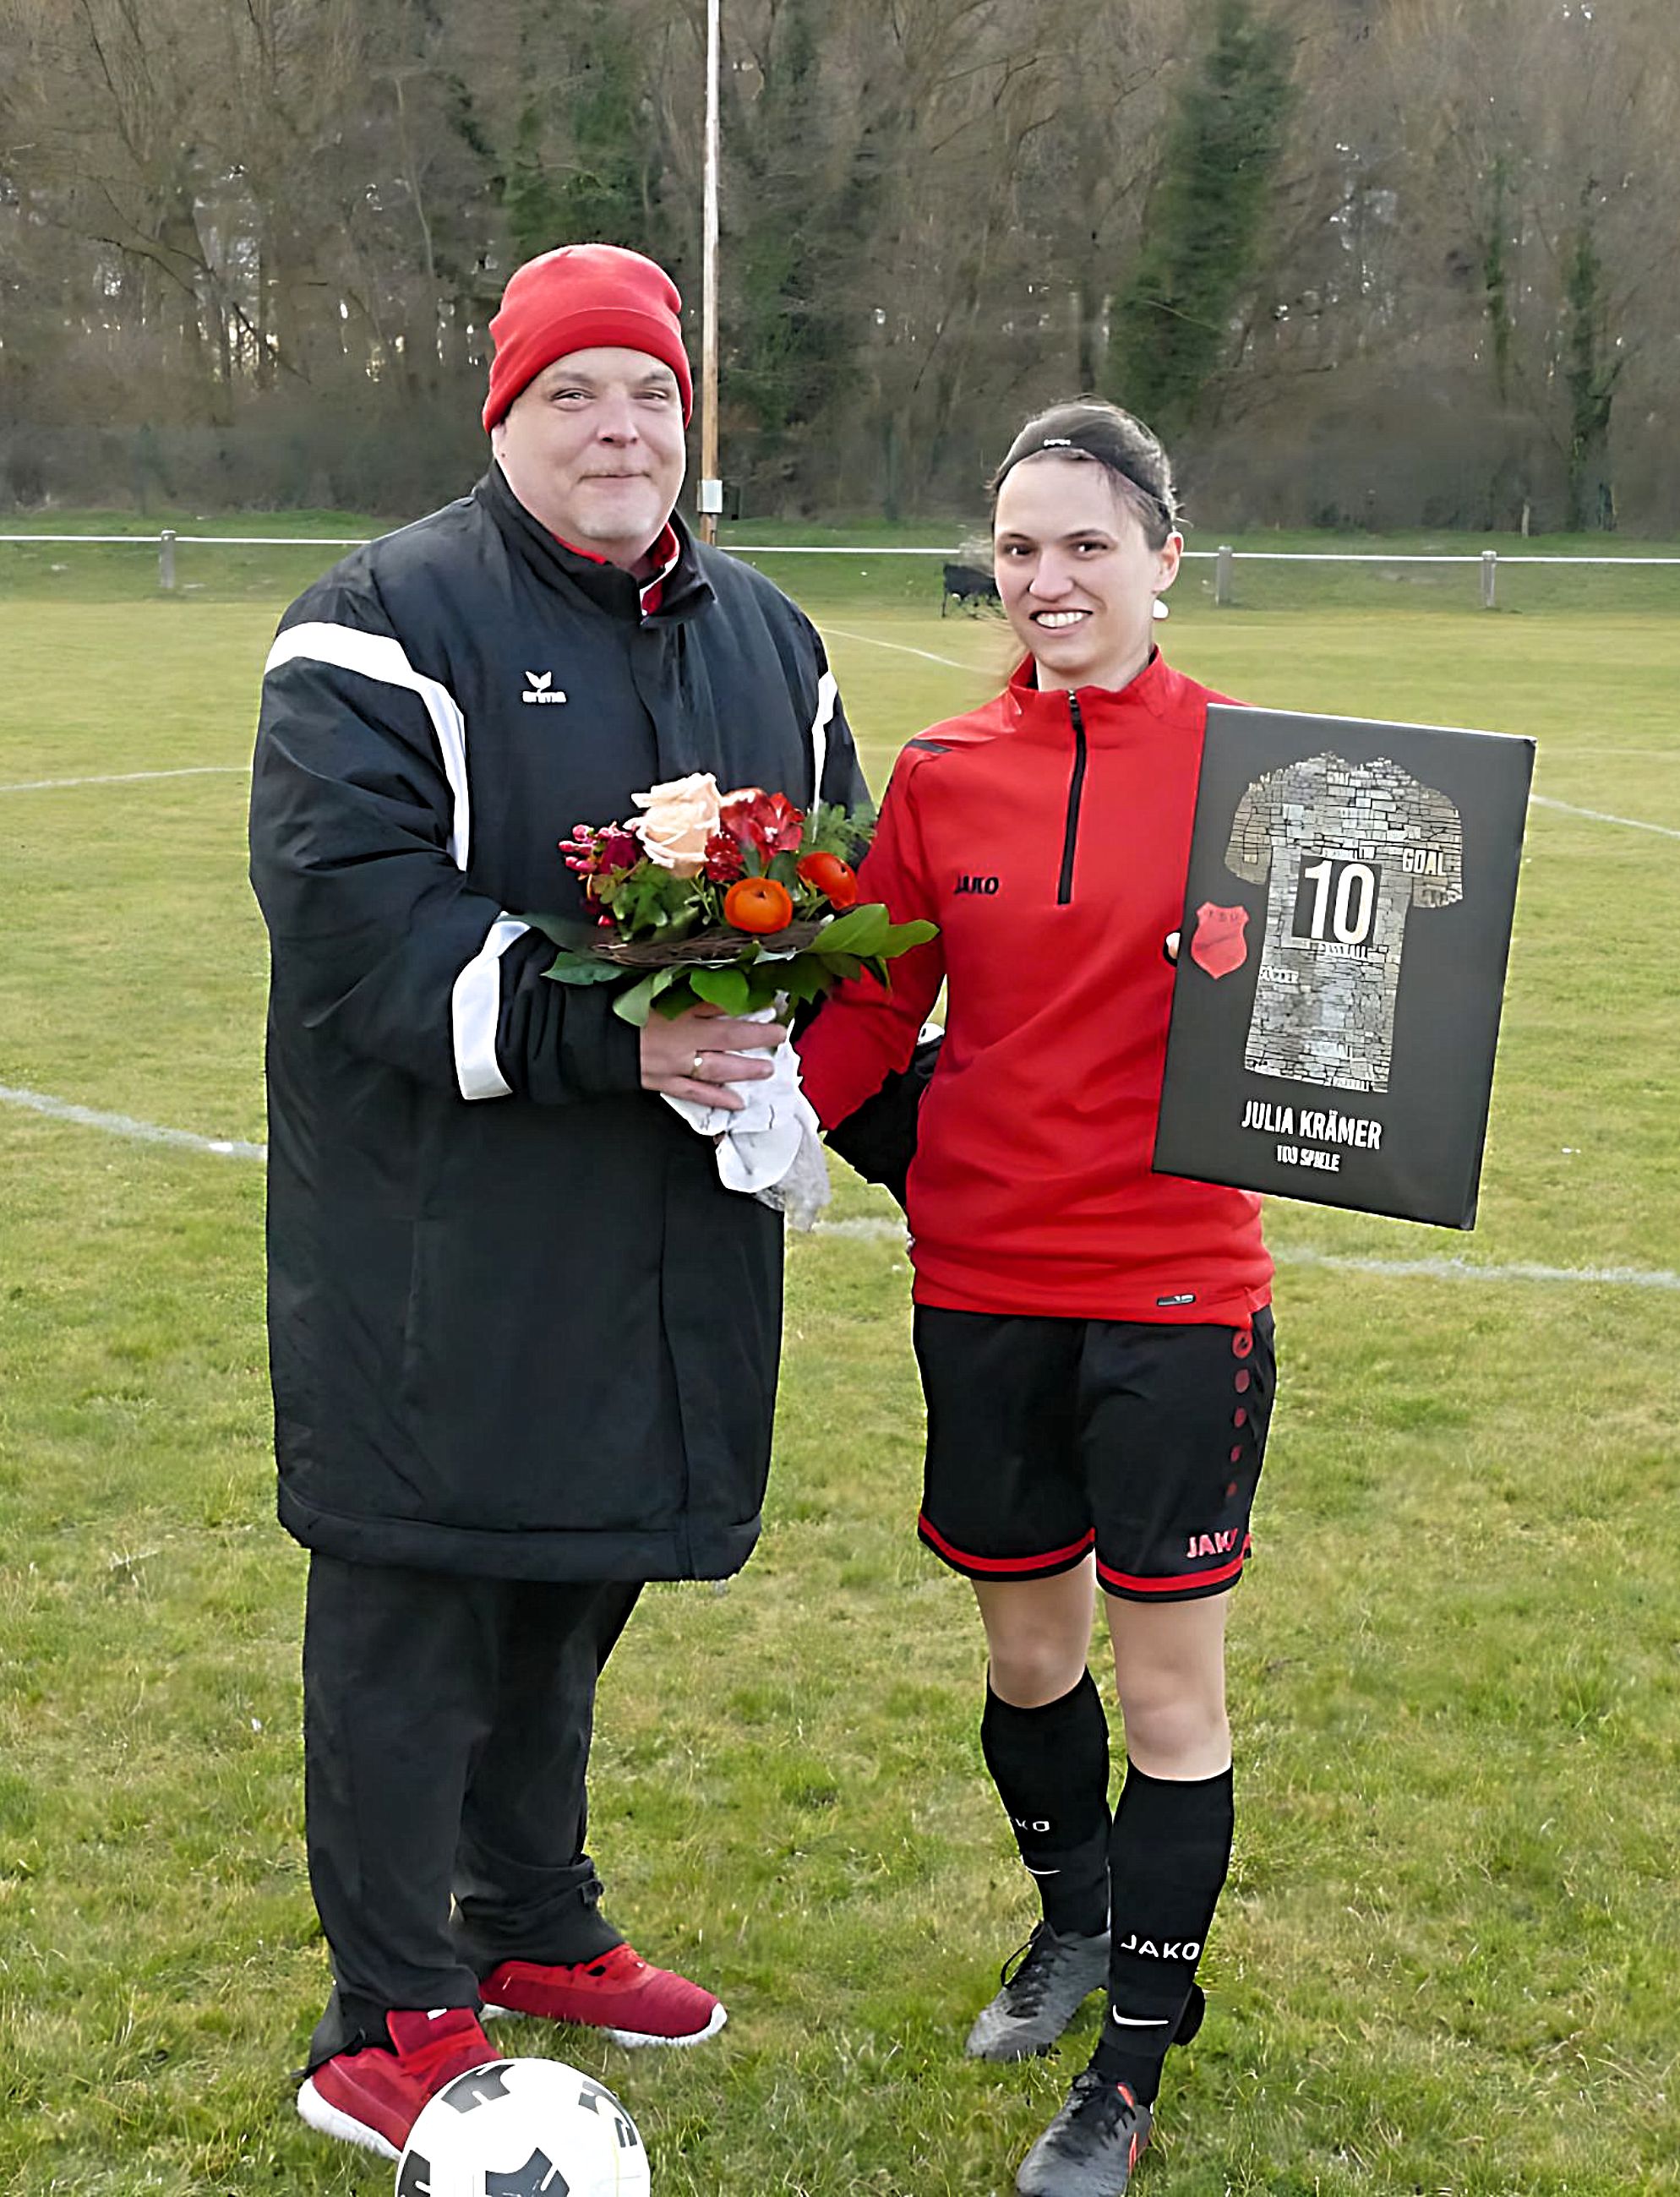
pixel 1051 1767
pixel 1168 1854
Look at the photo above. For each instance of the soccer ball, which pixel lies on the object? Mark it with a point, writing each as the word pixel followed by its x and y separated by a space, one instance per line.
pixel 524 2128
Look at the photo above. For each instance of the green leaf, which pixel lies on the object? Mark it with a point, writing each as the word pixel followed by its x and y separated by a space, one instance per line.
pixel 576 932
pixel 858 930
pixel 728 989
pixel 842 967
pixel 901 937
pixel 805 977
pixel 574 967
pixel 635 1004
pixel 837 830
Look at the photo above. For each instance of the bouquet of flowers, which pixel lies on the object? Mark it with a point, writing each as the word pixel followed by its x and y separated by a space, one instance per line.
pixel 737 899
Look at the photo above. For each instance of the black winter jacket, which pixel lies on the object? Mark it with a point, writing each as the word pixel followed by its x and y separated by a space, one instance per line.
pixel 516 1326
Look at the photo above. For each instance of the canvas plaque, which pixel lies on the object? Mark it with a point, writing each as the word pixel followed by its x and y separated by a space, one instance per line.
pixel 1347 925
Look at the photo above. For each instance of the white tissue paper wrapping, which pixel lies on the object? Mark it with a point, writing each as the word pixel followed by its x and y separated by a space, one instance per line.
pixel 770 1147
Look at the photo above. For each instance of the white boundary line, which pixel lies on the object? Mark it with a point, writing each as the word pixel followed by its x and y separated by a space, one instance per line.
pixel 131 777
pixel 1537 800
pixel 902 648
pixel 869 1229
pixel 1468 1270
pixel 1599 816
pixel 124 1125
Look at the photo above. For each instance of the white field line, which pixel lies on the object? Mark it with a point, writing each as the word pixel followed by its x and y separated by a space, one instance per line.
pixel 241 770
pixel 1599 816
pixel 131 777
pixel 879 1230
pixel 1469 1270
pixel 124 1125
pixel 871 1230
pixel 1538 800
pixel 902 648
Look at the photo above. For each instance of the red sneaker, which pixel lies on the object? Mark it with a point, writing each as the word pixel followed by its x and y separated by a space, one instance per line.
pixel 620 1993
pixel 374 2097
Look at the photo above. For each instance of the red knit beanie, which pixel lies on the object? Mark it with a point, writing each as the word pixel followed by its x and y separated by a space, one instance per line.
pixel 577 297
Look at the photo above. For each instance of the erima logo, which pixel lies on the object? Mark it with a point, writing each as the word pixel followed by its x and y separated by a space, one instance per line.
pixel 984 885
pixel 1184 1297
pixel 542 688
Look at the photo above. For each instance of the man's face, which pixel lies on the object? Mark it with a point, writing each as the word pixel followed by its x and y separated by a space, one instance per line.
pixel 593 448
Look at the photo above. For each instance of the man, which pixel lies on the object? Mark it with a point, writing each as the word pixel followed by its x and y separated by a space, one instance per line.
pixel 524 1345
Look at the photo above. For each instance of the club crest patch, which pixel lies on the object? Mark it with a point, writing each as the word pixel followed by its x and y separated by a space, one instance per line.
pixel 1220 944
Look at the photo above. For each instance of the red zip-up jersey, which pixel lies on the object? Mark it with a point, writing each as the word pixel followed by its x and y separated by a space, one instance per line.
pixel 1047 834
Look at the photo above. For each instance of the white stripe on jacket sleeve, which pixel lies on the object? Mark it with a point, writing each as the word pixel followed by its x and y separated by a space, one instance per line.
pixel 378 656
pixel 475 1011
pixel 828 695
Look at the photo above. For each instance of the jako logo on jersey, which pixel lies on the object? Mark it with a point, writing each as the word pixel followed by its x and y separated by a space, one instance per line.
pixel 987 886
pixel 1169 1948
pixel 1030 1822
pixel 542 688
pixel 1213 1545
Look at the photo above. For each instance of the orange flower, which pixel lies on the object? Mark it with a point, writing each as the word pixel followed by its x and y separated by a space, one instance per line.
pixel 759 905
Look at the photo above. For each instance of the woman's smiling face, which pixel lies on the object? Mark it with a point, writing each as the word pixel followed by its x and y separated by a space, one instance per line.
pixel 1077 575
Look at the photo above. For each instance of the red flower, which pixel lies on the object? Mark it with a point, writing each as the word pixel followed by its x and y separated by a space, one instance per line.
pixel 724 860
pixel 827 874
pixel 593 850
pixel 764 824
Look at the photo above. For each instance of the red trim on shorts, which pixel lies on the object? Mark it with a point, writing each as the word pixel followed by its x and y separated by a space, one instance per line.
pixel 1179 1581
pixel 1003 1567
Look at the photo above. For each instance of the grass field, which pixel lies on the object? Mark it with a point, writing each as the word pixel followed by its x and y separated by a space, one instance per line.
pixel 1446 1960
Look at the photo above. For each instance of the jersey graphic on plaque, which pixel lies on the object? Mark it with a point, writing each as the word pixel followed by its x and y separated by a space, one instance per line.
pixel 1333 1033
pixel 1347 852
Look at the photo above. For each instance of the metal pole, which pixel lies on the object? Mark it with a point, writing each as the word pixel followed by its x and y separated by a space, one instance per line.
pixel 711 488
pixel 1222 587
pixel 1490 566
pixel 166 557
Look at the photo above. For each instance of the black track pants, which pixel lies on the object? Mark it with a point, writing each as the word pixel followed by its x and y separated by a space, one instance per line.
pixel 446 1743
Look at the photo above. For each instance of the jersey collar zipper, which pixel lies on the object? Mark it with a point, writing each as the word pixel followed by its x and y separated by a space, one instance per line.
pixel 1064 886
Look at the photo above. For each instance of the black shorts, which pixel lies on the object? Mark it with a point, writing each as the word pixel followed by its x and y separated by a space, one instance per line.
pixel 1047 1438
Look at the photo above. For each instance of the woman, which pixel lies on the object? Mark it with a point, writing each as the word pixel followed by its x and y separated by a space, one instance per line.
pixel 1094 1339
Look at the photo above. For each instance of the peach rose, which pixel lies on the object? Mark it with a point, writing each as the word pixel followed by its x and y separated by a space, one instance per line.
pixel 680 816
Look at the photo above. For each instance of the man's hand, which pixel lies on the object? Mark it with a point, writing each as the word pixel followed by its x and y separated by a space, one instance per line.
pixel 700 1053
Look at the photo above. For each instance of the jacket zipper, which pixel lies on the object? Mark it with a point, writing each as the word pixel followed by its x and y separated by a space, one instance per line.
pixel 1064 887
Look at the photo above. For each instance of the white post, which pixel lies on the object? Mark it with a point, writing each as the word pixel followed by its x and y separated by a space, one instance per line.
pixel 1490 566
pixel 166 557
pixel 1222 589
pixel 711 492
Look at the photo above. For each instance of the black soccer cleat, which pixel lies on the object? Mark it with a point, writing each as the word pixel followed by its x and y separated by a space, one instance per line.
pixel 1091 2148
pixel 1044 1986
